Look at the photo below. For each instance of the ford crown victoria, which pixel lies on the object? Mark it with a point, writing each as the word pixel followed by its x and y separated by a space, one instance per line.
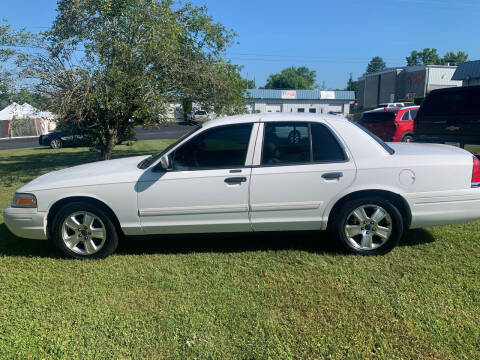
pixel 259 172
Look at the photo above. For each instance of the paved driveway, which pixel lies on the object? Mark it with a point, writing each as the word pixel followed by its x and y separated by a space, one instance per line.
pixel 173 131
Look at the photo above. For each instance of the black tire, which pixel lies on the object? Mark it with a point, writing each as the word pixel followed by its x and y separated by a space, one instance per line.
pixel 56 143
pixel 112 237
pixel 408 139
pixel 343 214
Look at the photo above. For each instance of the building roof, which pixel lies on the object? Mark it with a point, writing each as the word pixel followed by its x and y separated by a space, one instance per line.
pixel 300 94
pixel 469 69
pixel 24 111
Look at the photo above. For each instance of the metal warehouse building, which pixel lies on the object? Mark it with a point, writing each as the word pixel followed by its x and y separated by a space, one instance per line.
pixel 394 84
pixel 312 101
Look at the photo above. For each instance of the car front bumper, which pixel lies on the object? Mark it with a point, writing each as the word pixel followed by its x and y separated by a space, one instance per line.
pixel 26 223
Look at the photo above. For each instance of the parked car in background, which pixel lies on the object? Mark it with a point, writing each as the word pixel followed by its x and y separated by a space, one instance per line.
pixel 394 105
pixel 60 139
pixel 450 115
pixel 391 124
pixel 198 116
pixel 258 172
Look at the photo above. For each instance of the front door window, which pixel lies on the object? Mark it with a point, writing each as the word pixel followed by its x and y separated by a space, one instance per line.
pixel 217 148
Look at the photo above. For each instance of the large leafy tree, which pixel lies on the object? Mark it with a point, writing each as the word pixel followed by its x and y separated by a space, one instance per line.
pixel 110 63
pixel 292 78
pixel 429 56
pixel 12 42
pixel 453 58
pixel 376 64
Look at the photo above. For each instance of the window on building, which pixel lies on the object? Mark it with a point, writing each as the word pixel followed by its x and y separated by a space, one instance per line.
pixel 301 110
pixel 312 110
pixel 220 147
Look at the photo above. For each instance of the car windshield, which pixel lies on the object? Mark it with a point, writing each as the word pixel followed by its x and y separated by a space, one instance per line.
pixel 376 138
pixel 152 158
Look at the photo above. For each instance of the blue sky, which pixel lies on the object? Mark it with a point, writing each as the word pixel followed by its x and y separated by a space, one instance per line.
pixel 332 37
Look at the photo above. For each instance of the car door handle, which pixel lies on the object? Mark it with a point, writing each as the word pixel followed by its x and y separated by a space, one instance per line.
pixel 332 175
pixel 235 180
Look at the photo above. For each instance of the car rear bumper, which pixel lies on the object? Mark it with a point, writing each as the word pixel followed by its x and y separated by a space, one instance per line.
pixel 445 207
pixel 26 223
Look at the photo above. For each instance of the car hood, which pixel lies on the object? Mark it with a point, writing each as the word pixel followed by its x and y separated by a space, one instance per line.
pixel 96 173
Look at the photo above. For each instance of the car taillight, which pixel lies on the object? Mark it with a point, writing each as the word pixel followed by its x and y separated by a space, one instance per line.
pixel 476 172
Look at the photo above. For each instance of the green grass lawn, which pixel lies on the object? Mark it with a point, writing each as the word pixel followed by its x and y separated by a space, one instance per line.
pixel 263 296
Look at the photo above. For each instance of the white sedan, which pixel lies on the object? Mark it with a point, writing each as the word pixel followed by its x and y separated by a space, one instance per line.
pixel 260 172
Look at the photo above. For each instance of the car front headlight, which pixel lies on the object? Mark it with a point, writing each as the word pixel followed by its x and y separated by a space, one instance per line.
pixel 24 201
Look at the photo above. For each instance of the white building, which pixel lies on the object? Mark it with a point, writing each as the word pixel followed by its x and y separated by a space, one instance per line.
pixel 25 120
pixel 309 101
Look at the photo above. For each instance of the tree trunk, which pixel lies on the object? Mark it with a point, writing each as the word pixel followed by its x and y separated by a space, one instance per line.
pixel 105 152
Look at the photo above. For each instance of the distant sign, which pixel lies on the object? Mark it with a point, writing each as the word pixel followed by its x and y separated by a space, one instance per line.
pixel 327 94
pixel 289 94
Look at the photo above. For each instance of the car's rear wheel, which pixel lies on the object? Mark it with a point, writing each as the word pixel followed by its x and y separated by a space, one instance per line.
pixel 56 143
pixel 368 226
pixel 84 231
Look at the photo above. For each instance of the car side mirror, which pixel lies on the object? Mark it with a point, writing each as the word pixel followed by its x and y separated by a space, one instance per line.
pixel 165 163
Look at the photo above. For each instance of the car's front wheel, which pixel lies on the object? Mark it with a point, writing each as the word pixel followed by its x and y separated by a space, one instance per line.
pixel 368 226
pixel 84 231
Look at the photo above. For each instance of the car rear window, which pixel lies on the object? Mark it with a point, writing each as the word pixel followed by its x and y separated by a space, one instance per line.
pixel 376 138
pixel 377 116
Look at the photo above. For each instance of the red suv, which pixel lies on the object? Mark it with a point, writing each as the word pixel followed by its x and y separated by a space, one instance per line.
pixel 391 124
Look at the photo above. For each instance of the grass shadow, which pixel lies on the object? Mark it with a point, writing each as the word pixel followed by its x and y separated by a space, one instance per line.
pixel 416 237
pixel 311 241
pixel 10 245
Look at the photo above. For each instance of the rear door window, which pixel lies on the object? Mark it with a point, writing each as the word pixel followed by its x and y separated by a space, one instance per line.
pixel 286 142
pixel 406 115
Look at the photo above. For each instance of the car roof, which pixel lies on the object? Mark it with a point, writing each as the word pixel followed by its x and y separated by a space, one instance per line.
pixel 456 88
pixel 267 117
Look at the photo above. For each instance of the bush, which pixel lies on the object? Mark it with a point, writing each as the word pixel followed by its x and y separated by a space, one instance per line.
pixel 418 100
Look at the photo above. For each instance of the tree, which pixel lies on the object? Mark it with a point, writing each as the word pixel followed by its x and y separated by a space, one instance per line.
pixel 430 57
pixel 413 59
pixel 351 85
pixel 136 57
pixel 292 78
pixel 376 64
pixel 11 42
pixel 454 59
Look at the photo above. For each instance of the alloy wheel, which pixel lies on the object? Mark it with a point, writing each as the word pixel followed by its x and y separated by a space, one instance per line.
pixel 84 233
pixel 368 227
